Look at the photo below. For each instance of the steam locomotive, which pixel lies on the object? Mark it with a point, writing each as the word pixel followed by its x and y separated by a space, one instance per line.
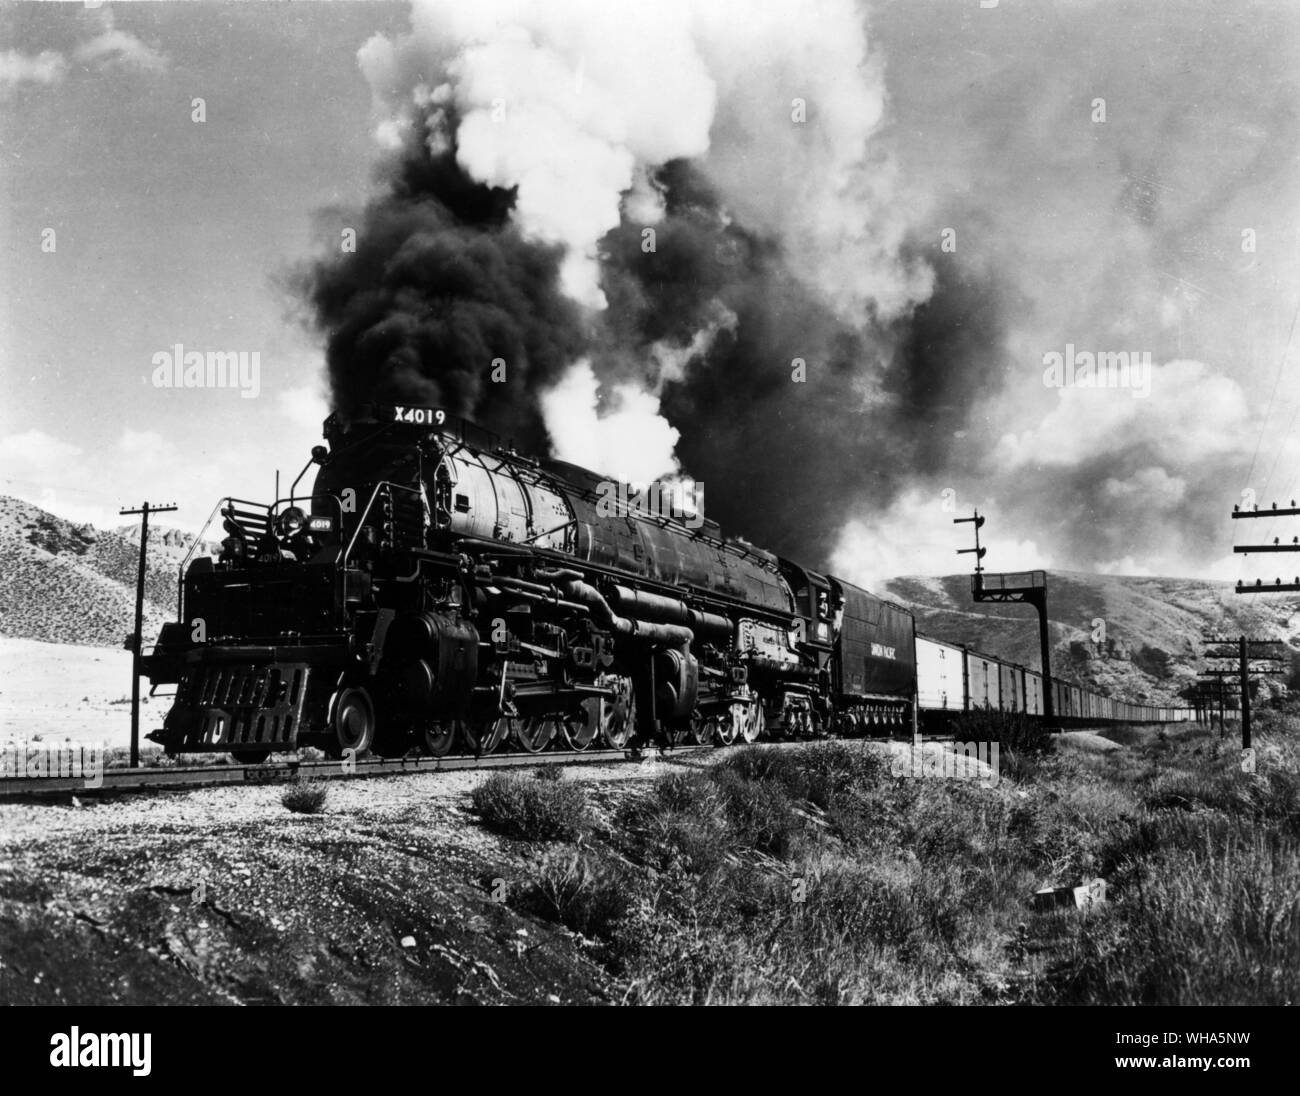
pixel 439 591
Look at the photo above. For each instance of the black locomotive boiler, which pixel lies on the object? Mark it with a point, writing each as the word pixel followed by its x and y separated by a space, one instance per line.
pixel 439 591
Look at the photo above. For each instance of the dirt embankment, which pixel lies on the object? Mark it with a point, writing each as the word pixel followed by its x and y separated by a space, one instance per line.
pixel 394 894
pixel 223 895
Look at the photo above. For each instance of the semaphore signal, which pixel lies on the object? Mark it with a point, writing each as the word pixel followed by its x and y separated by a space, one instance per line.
pixel 1025 587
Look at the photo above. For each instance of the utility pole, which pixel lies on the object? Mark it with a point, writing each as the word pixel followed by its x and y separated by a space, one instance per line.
pixel 1245 697
pixel 1278 586
pixel 1239 651
pixel 1210 695
pixel 135 641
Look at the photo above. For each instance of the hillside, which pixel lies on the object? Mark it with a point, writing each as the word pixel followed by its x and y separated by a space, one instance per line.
pixel 71 583
pixel 1151 645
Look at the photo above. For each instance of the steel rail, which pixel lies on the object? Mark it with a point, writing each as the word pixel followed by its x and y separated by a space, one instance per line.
pixel 272 772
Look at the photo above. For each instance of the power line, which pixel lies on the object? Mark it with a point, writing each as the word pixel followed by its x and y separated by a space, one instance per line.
pixel 1277 380
pixel 1296 411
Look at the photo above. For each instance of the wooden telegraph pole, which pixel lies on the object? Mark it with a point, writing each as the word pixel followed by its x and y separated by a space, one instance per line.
pixel 1243 656
pixel 1239 651
pixel 1278 587
pixel 135 640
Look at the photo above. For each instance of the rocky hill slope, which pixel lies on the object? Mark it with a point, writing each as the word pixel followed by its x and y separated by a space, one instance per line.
pixel 1136 638
pixel 70 583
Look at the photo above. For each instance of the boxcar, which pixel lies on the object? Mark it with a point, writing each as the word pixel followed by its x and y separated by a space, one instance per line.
pixel 939 675
pixel 1011 687
pixel 982 680
pixel 1033 693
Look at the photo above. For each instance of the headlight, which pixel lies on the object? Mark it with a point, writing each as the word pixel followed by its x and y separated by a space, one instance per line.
pixel 290 522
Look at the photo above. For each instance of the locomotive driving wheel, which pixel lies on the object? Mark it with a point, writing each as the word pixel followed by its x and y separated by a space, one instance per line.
pixel 353 722
pixel 437 736
pixel 726 726
pixel 797 722
pixel 535 732
pixel 485 735
pixel 577 731
pixel 748 720
pixel 613 717
pixel 701 730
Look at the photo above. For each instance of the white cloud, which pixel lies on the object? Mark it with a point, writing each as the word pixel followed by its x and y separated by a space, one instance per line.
pixel 40 468
pixel 304 406
pixel 35 451
pixel 1172 420
pixel 1229 568
pixel 118 49
pixel 64 479
pixel 1129 566
pixel 110 49
pixel 135 444
pixel 1151 487
pixel 47 67
pixel 916 536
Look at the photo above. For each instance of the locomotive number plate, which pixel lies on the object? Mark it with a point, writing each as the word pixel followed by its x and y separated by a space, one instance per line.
pixel 420 416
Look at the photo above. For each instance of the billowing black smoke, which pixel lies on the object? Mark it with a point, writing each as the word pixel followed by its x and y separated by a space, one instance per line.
pixel 792 419
pixel 442 285
pixel 788 454
pixel 945 356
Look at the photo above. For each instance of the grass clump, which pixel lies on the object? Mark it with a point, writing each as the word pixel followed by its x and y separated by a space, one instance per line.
pixel 1210 913
pixel 588 894
pixel 1013 731
pixel 814 875
pixel 305 795
pixel 532 808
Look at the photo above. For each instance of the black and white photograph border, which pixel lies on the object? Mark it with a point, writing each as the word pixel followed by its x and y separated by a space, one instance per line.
pixel 540 503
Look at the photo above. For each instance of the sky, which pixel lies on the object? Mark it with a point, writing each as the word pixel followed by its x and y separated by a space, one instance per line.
pixel 167 231
pixel 979 189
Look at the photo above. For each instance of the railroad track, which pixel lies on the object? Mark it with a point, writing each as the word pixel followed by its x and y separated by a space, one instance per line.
pixel 179 778
pixel 183 777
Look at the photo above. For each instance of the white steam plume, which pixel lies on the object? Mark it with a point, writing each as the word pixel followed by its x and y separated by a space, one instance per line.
pixel 630 442
pixel 577 102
